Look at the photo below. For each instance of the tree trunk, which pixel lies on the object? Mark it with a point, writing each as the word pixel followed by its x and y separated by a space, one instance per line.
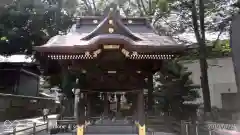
pixel 200 36
pixel 203 63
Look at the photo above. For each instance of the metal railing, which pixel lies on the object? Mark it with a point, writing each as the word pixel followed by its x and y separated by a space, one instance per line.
pixel 33 128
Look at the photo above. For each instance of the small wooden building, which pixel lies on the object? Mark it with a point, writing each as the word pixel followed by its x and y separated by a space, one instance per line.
pixel 19 87
pixel 19 78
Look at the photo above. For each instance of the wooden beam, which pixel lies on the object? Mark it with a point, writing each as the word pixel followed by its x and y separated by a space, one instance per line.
pixel 29 73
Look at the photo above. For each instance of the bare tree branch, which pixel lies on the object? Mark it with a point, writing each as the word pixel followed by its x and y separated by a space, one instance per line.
pixel 94 6
pixel 140 8
pixel 195 22
pixel 144 8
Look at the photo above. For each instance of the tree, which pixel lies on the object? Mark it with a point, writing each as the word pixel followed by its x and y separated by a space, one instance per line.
pixel 197 17
pixel 200 36
pixel 175 87
pixel 198 12
pixel 26 23
pixel 203 17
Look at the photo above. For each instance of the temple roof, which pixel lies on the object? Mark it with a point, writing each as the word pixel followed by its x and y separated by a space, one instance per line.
pixel 133 33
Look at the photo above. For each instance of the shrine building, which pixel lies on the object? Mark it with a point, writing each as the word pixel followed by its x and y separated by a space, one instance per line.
pixel 109 54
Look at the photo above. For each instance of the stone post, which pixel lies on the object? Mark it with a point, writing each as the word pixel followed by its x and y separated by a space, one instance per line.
pixel 89 107
pixel 79 111
pixel 150 94
pixel 141 113
pixel 76 102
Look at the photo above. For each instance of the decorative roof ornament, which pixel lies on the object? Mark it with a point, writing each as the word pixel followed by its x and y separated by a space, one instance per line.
pixel 110 30
pixel 110 22
pixel 112 10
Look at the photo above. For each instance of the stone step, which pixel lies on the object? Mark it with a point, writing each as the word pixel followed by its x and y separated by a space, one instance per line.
pixel 110 122
pixel 159 128
pixel 110 129
pixel 111 134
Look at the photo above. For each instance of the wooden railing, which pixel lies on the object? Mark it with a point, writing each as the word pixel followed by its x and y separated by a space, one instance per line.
pixel 2 95
pixel 68 124
pixel 33 128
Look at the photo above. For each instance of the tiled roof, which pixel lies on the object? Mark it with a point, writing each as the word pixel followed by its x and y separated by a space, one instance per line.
pixel 89 31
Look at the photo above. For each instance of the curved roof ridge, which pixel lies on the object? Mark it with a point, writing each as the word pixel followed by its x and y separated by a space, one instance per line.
pixel 52 40
pixel 117 23
pixel 90 35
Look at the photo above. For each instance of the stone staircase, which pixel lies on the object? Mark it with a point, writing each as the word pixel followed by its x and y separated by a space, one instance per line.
pixel 109 127
pixel 159 124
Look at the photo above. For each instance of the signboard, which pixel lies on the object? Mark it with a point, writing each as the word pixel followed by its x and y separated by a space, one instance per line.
pixel 111 47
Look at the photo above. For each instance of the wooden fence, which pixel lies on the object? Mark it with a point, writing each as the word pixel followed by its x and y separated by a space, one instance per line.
pixel 179 127
pixel 196 128
pixel 11 105
pixel 33 128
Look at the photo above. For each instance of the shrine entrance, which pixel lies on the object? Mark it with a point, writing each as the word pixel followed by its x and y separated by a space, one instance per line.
pixel 108 54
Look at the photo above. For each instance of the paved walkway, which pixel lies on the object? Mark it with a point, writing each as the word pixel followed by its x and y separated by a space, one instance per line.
pixel 112 126
pixel 6 127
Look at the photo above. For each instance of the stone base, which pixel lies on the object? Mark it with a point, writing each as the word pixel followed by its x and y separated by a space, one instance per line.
pixel 236 116
pixel 230 103
pixel 208 116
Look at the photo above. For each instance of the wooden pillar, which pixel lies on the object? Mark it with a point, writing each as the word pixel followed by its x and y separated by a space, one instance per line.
pixel 150 93
pixel 85 107
pixel 118 102
pixel 141 113
pixel 89 107
pixel 65 87
pixel 134 108
pixel 82 110
pixel 79 111
pixel 118 113
pixel 106 105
